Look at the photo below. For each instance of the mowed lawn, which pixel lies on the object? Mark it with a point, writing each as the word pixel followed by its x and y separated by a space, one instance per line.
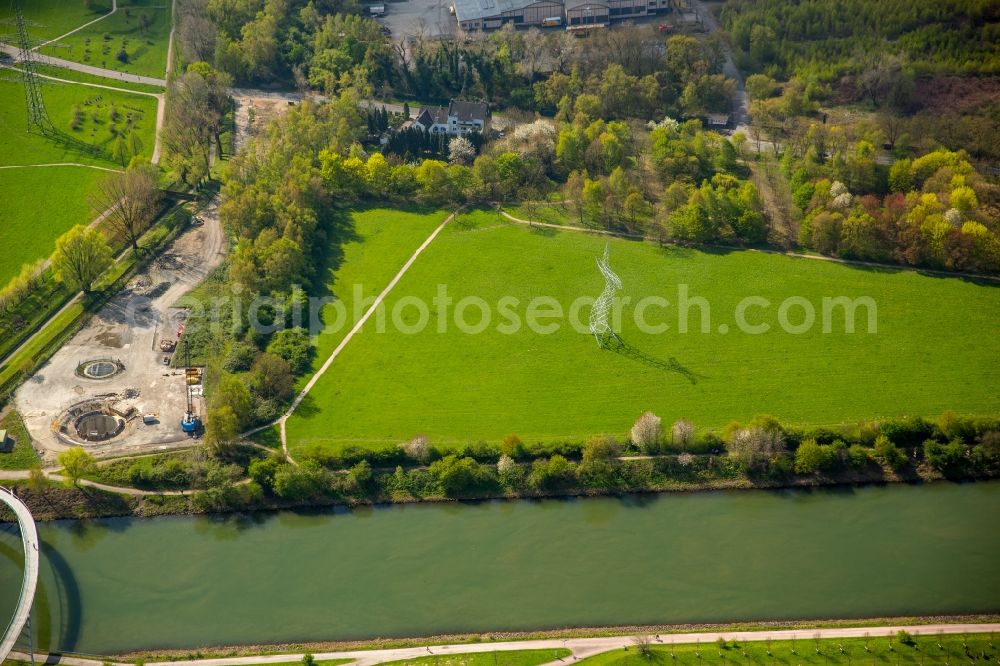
pixel 379 241
pixel 48 19
pixel 40 203
pixel 98 44
pixel 62 100
pixel 937 346
pixel 38 206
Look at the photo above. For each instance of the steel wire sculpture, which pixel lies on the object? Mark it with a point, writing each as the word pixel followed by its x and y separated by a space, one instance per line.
pixel 599 314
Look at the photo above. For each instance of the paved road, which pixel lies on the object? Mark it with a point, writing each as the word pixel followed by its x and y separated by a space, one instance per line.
pixel 580 647
pixel 29 538
pixel 86 69
pixel 741 102
pixel 50 474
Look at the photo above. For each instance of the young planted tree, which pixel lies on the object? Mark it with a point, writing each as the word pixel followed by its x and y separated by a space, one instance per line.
pixel 76 462
pixel 81 256
pixel 129 201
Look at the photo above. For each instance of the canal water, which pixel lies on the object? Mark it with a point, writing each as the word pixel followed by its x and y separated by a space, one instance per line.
pixel 122 584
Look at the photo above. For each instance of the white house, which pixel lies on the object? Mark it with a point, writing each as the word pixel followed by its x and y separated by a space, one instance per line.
pixel 458 119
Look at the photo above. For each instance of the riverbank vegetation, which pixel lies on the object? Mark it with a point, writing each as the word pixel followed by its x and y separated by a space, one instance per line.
pixel 652 457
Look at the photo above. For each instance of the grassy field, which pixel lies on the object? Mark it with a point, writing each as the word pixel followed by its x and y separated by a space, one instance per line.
pixel 46 201
pixel 499 658
pixel 380 242
pixel 936 347
pixel 21 456
pixel 953 649
pixel 65 101
pixel 28 228
pixel 51 18
pixel 99 44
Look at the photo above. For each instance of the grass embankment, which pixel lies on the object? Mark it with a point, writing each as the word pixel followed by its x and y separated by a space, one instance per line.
pixel 934 349
pixel 21 455
pixel 144 40
pixel 951 649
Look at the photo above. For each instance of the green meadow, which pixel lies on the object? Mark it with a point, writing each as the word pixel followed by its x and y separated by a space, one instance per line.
pixel 48 19
pixel 35 213
pixel 140 27
pixel 40 203
pixel 936 345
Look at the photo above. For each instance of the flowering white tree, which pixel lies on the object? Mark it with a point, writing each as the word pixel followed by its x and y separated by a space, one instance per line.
pixel 683 432
pixel 418 448
pixel 647 431
pixel 461 151
pixel 755 447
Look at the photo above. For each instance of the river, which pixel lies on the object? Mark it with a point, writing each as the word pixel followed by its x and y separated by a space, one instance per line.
pixel 123 584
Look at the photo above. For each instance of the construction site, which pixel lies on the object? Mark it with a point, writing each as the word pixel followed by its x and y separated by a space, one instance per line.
pixel 114 388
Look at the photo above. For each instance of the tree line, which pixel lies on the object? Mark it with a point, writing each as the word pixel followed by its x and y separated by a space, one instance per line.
pixel 327 46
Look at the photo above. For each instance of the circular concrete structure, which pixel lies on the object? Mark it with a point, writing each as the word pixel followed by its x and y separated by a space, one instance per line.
pixel 98 426
pixel 99 369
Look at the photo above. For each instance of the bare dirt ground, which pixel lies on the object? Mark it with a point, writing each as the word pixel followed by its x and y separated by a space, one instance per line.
pixel 129 329
pixel 255 108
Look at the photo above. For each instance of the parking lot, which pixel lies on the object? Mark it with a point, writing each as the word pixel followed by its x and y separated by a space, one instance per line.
pixel 429 18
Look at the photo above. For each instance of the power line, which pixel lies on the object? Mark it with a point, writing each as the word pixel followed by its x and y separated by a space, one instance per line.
pixel 38 115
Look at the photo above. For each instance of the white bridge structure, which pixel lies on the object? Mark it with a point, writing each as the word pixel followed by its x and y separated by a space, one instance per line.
pixel 599 325
pixel 29 537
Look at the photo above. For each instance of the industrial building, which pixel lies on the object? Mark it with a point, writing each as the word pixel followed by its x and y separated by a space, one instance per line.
pixel 475 15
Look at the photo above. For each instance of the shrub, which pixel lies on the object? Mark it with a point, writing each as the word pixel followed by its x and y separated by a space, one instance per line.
pixel 811 457
pixel 292 344
pixel 888 453
pixel 600 463
pixel 551 474
pixel 511 474
pixel 240 357
pixel 907 432
pixel 858 456
pixel 361 476
pixel 458 476
pixel 512 446
pixel 945 458
pixel 307 481
pixel 263 470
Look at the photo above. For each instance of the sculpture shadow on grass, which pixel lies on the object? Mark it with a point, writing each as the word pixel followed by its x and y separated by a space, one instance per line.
pixel 623 348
